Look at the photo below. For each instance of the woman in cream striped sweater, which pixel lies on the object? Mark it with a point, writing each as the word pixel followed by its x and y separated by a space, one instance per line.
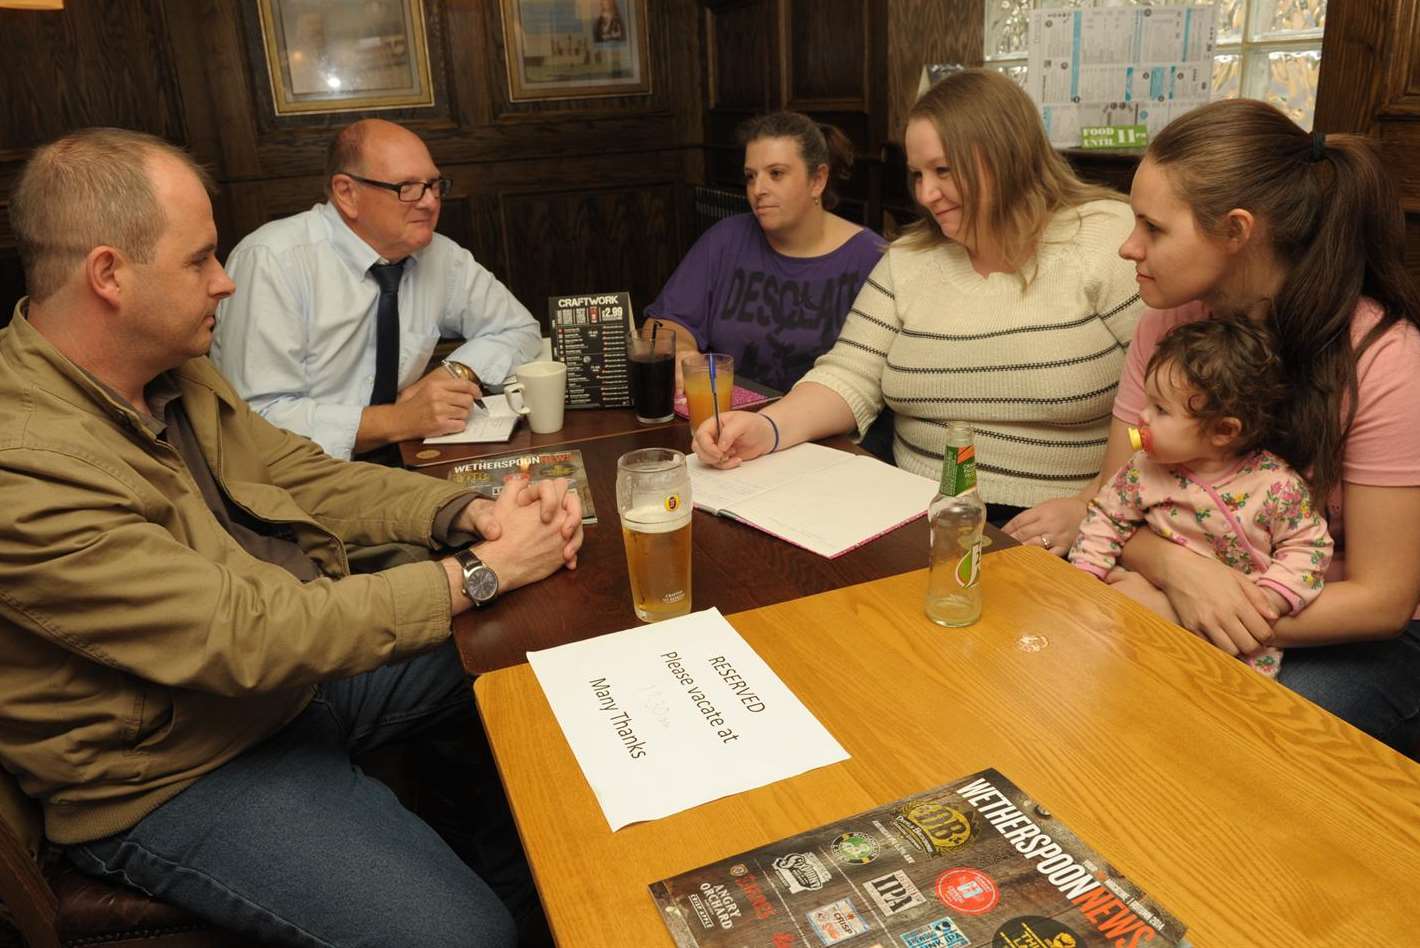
pixel 1006 305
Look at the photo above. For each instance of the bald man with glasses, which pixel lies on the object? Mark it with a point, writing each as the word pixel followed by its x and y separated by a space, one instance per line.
pixel 337 309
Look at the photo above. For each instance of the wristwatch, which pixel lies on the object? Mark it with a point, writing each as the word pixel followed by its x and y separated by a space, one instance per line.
pixel 460 371
pixel 480 583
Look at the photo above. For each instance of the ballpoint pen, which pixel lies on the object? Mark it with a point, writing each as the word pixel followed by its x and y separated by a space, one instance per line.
pixel 714 395
pixel 453 370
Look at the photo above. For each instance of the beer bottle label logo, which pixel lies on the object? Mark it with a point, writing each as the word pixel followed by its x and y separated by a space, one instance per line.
pixel 673 502
pixel 958 470
pixel 969 567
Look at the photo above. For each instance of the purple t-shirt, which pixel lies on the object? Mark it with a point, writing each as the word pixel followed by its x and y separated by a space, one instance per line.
pixel 774 314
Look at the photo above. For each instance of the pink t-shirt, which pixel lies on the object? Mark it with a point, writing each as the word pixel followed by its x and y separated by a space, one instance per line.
pixel 1383 446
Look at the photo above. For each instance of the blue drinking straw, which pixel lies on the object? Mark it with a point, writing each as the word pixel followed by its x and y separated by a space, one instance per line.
pixel 714 397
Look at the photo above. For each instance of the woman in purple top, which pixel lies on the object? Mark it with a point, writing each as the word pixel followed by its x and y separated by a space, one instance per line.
pixel 772 287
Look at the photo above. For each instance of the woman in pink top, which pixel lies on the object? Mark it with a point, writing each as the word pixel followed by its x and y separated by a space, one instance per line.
pixel 1239 211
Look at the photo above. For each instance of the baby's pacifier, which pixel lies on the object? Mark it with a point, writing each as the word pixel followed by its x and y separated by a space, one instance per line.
pixel 1141 439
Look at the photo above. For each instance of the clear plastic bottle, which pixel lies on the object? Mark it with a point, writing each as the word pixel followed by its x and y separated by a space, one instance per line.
pixel 956 517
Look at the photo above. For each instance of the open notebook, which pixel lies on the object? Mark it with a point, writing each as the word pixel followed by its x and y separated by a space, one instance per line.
pixel 495 423
pixel 822 499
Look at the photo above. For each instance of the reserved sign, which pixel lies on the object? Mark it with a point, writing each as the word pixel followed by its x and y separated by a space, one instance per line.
pixel 665 717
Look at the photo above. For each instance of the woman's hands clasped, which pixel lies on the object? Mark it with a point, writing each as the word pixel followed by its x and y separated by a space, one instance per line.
pixel 743 436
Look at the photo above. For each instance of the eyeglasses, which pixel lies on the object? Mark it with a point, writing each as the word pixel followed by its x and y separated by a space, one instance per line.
pixel 410 192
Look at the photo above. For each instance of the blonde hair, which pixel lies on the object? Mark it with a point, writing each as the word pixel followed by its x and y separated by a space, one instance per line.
pixel 88 189
pixel 987 123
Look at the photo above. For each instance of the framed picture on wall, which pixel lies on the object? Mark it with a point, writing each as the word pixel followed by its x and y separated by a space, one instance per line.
pixel 575 49
pixel 345 55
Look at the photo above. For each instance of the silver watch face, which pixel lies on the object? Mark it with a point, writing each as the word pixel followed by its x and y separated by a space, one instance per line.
pixel 482 585
pixel 479 581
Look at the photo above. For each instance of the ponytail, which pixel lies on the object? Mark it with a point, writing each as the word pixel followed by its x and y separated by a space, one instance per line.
pixel 840 162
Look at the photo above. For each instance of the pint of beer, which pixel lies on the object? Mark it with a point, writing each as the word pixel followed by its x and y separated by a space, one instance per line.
pixel 653 498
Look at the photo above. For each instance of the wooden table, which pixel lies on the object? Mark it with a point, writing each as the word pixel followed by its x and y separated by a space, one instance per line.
pixel 733 567
pixel 1252 815
pixel 577 427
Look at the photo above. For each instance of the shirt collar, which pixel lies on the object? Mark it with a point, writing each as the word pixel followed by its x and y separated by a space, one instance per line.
pixel 351 247
pixel 159 394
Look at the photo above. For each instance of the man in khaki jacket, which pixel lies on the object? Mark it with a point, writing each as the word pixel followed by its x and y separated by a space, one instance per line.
pixel 189 663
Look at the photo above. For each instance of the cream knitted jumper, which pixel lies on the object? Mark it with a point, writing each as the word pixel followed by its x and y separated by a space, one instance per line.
pixel 1033 371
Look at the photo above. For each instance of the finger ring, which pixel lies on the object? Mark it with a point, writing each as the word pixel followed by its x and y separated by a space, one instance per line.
pixel 1045 540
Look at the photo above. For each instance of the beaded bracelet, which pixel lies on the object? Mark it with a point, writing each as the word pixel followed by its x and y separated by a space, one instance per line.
pixel 776 431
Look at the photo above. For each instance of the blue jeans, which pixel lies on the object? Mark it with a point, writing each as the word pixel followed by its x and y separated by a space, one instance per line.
pixel 1374 686
pixel 293 844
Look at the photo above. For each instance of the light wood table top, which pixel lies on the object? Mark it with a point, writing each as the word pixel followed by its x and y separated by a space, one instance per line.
pixel 1252 815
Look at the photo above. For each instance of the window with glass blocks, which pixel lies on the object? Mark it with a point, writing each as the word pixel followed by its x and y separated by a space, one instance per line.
pixel 1267 49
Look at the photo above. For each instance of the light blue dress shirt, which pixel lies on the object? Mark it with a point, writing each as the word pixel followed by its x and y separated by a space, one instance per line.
pixel 297 338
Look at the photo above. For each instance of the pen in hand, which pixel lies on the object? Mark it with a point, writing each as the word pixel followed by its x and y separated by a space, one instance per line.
pixel 456 374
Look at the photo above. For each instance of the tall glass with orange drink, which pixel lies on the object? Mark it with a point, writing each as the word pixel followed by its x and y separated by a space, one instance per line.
pixel 696 372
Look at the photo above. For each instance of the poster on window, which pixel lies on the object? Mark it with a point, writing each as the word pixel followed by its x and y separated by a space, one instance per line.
pixel 1119 66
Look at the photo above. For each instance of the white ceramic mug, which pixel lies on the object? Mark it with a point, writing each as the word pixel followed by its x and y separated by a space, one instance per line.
pixel 539 391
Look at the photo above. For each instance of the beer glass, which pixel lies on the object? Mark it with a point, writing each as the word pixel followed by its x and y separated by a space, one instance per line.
pixel 653 498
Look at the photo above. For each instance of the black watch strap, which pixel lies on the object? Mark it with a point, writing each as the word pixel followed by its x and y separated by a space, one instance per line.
pixel 480 583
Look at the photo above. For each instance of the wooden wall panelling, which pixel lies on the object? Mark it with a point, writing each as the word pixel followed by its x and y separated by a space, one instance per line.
pixel 102 62
pixel 1349 87
pixel 212 29
pixel 471 62
pixel 105 62
pixel 1398 116
pixel 1370 84
pixel 739 40
pixel 1412 245
pixel 193 71
pixel 927 31
pixel 1400 146
pixel 589 240
pixel 824 55
pixel 1405 98
pixel 99 62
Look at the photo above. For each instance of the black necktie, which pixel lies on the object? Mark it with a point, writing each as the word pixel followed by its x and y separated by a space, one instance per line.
pixel 386 387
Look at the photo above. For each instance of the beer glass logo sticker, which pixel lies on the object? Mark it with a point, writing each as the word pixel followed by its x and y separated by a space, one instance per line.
pixel 854 849
pixel 802 872
pixel 934 828
pixel 673 503
pixel 969 567
pixel 1035 931
pixel 969 891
